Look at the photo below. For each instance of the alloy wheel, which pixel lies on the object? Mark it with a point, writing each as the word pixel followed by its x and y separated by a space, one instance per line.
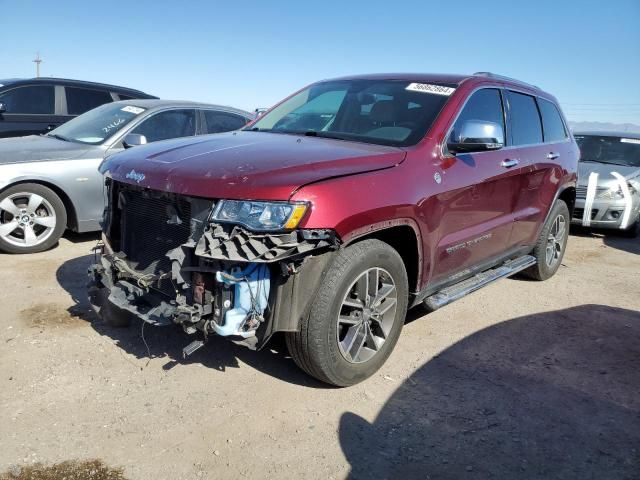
pixel 26 219
pixel 366 315
pixel 556 241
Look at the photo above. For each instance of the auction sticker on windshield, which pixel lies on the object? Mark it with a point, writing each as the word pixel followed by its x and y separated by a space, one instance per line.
pixel 132 109
pixel 630 140
pixel 429 88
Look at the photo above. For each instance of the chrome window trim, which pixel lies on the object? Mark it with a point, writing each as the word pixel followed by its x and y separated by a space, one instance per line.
pixel 502 89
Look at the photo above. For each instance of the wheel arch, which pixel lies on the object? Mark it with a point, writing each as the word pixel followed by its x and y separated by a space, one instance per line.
pixel 403 235
pixel 72 218
pixel 568 195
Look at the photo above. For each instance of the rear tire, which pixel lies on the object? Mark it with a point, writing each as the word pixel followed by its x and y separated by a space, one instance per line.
pixel 356 317
pixel 32 218
pixel 551 244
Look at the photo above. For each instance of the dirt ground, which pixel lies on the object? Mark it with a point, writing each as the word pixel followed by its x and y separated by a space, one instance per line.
pixel 519 380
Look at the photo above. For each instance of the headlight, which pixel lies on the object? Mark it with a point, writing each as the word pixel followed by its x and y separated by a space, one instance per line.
pixel 616 193
pixel 611 194
pixel 262 216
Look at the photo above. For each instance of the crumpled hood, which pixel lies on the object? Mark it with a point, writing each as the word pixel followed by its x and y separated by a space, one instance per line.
pixel 246 165
pixel 604 173
pixel 37 148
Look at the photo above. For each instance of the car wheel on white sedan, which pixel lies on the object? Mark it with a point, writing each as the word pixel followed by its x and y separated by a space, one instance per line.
pixel 32 218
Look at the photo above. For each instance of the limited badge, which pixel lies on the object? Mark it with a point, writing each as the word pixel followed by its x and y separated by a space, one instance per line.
pixel 437 177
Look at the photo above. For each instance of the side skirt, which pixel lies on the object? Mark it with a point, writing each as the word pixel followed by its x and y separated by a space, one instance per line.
pixel 455 292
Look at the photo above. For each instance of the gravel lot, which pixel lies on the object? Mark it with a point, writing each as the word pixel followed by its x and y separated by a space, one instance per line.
pixel 519 380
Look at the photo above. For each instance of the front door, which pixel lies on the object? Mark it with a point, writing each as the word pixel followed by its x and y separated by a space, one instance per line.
pixel 28 110
pixel 476 207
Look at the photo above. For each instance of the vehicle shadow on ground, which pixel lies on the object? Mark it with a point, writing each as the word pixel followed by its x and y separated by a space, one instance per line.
pixel 75 237
pixel 611 238
pixel 168 342
pixel 551 395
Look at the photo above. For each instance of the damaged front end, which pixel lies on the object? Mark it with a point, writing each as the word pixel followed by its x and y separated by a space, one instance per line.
pixel 164 261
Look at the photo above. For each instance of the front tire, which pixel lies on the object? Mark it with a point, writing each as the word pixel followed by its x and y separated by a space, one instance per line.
pixel 632 231
pixel 551 244
pixel 356 317
pixel 32 218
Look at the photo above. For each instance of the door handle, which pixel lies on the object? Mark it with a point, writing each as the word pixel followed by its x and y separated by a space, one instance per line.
pixel 509 163
pixel 552 155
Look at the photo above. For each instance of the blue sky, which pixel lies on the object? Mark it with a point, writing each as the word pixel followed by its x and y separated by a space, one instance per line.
pixel 251 54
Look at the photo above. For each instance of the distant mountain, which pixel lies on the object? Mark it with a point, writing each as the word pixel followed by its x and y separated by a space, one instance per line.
pixel 601 126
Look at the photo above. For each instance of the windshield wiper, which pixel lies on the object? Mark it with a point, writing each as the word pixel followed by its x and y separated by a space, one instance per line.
pixel 314 133
pixel 59 137
pixel 602 161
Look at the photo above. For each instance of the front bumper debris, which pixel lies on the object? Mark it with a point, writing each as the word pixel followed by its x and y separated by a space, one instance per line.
pixel 239 245
pixel 228 282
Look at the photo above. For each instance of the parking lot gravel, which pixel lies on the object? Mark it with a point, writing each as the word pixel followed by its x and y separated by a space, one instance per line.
pixel 519 380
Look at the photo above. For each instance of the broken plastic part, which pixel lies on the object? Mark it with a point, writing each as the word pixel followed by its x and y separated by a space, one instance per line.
pixel 239 245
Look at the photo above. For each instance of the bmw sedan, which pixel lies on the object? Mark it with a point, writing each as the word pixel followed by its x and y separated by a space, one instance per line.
pixel 49 183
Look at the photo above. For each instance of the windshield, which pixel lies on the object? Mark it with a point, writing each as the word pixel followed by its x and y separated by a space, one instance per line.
pixel 97 125
pixel 385 112
pixel 614 150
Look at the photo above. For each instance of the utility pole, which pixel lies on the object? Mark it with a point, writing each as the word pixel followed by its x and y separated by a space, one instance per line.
pixel 37 61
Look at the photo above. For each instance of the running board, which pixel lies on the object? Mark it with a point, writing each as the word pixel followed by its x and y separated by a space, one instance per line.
pixel 482 279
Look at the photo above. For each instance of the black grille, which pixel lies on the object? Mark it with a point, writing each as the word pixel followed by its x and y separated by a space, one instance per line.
pixel 579 212
pixel 151 226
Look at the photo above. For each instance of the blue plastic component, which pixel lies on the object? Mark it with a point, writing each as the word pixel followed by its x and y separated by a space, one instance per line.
pixel 251 297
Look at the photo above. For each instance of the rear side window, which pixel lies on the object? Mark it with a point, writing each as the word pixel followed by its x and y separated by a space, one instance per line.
pixel 122 96
pixel 552 124
pixel 484 105
pixel 33 100
pixel 525 119
pixel 218 122
pixel 80 100
pixel 168 124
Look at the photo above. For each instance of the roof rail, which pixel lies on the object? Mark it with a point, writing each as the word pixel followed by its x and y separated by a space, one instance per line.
pixel 503 77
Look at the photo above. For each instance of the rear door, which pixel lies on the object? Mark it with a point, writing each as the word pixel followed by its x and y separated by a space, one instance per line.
pixel 80 100
pixel 541 139
pixel 29 109
pixel 476 207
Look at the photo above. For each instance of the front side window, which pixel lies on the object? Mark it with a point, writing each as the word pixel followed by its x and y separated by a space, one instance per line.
pixel 168 124
pixel 552 123
pixel 218 122
pixel 95 126
pixel 384 112
pixel 525 119
pixel 484 105
pixel 611 150
pixel 80 100
pixel 33 100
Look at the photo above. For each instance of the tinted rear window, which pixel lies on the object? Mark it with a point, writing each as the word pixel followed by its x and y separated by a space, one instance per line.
pixel 554 130
pixel 525 119
pixel 223 122
pixel 80 100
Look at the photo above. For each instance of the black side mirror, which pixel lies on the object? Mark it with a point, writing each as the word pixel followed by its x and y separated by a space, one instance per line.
pixel 3 107
pixel 476 136
pixel 133 140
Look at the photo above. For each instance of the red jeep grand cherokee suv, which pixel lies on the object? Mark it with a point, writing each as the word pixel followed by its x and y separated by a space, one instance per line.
pixel 344 205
